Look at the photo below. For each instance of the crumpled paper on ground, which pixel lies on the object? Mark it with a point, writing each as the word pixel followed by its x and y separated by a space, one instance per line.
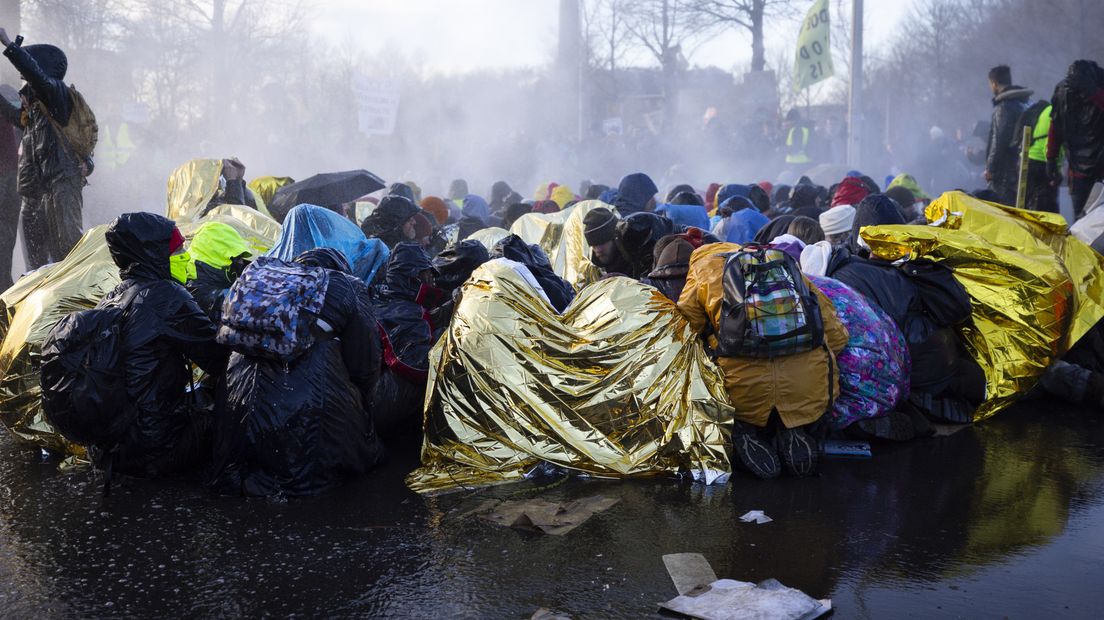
pixel 555 518
pixel 728 599
pixel 1035 289
pixel 617 386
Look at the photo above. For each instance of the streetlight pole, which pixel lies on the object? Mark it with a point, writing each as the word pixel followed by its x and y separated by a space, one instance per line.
pixel 854 112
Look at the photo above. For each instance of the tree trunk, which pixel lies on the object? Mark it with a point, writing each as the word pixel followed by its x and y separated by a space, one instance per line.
pixel 758 55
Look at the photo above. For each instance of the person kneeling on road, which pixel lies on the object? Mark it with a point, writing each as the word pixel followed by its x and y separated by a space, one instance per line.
pixel 299 384
pixel 776 338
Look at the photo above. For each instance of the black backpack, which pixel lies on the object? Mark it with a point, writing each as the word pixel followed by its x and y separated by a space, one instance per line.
pixel 768 309
pixel 83 377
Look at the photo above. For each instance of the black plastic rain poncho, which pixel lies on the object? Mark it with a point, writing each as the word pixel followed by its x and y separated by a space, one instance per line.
pixel 403 303
pixel 296 427
pixel 163 328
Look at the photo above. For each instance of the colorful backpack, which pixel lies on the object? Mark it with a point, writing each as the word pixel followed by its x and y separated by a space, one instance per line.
pixel 272 308
pixel 768 308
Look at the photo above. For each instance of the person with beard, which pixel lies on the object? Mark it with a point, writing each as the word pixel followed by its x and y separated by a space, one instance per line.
pixel 393 221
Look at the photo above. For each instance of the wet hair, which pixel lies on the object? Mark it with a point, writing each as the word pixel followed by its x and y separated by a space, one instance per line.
pixel 807 229
pixel 1001 75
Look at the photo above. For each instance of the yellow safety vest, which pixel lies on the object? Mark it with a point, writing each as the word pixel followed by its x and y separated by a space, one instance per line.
pixel 1038 148
pixel 800 157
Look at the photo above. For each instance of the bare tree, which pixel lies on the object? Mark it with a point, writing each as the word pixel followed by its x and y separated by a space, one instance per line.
pixel 750 15
pixel 605 33
pixel 667 29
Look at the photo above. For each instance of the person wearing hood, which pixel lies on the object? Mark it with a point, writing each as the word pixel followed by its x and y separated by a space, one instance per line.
pixel 220 255
pixel 1002 156
pixel 475 216
pixel 497 204
pixel 393 221
pixel 51 173
pixel 624 247
pixel 298 426
pixel 436 207
pixel 558 291
pixel 946 382
pixel 740 221
pixel 635 193
pixel 404 190
pixel 454 266
pixel 513 212
pixel 403 305
pixel 163 331
pixel 1077 125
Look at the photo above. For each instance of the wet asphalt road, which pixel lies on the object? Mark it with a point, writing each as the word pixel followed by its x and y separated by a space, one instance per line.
pixel 1005 519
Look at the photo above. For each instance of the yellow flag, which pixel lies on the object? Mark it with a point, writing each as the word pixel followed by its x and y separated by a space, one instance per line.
pixel 814 50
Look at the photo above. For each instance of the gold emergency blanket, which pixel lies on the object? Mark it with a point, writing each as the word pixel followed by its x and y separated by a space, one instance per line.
pixel 560 235
pixel 617 386
pixel 1035 289
pixel 39 300
pixel 488 237
pixel 191 187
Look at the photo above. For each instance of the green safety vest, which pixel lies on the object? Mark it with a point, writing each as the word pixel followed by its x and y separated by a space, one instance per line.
pixel 799 157
pixel 1038 149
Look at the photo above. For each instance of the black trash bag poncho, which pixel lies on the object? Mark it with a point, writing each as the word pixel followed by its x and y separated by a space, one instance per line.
pixel 403 303
pixel 297 427
pixel 163 328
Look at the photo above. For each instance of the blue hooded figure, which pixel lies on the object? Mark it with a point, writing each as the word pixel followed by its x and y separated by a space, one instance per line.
pixel 634 194
pixel 476 214
pixel 742 225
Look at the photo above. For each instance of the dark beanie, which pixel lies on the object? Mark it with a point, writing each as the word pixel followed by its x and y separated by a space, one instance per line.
pixel 599 226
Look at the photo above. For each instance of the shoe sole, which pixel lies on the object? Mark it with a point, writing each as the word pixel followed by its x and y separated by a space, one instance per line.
pixel 799 454
pixel 766 467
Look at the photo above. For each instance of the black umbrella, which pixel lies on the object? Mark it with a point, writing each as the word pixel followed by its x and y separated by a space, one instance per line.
pixel 329 189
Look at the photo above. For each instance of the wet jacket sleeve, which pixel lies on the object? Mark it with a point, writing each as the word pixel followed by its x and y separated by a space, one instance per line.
pixel 192 332
pixel 360 344
pixel 1001 139
pixel 52 92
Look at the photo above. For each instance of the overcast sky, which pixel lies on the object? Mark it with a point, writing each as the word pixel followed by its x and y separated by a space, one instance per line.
pixel 459 35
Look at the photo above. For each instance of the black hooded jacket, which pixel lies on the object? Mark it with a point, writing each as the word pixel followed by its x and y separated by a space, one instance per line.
pixel 634 193
pixel 296 428
pixel 1004 144
pixel 163 328
pixel 1076 121
pixel 45 158
pixel 557 289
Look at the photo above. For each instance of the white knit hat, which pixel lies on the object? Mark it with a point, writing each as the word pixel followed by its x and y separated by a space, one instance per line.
pixel 837 219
